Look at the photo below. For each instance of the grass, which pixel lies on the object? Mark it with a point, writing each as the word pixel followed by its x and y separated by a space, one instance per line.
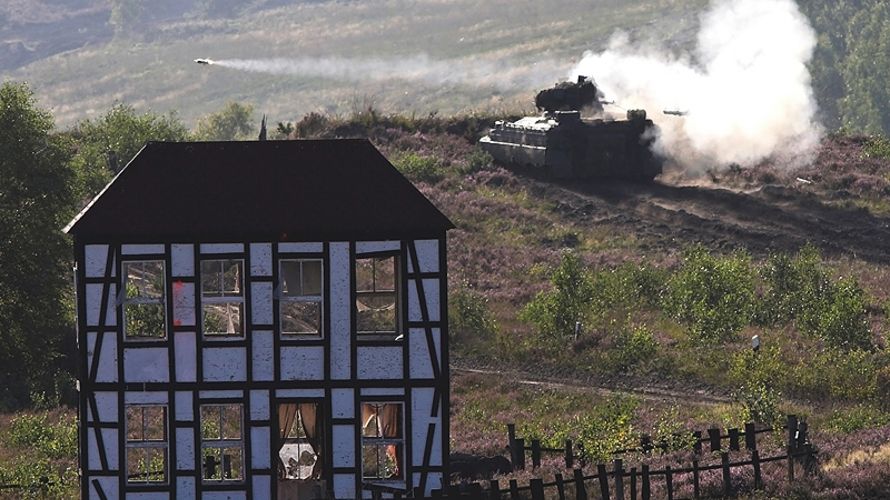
pixel 157 72
pixel 38 452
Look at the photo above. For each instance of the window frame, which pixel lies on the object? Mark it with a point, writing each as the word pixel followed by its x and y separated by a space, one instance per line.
pixel 322 427
pixel 313 299
pixel 147 444
pixel 221 443
pixel 223 299
pixel 124 301
pixel 397 334
pixel 399 442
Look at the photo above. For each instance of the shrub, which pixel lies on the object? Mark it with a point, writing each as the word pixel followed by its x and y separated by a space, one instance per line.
pixel 756 375
pixel 627 288
pixel 55 440
pixel 554 312
pixel 468 315
pixel 418 167
pixel 312 125
pixel 713 296
pixel 475 161
pixel 633 347
pixel 856 418
pixel 878 147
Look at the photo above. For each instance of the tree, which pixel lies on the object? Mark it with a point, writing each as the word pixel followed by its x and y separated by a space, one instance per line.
pixel 106 144
pixel 233 122
pixel 554 312
pixel 36 200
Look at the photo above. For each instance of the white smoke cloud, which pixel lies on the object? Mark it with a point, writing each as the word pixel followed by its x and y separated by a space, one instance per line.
pixel 470 72
pixel 746 87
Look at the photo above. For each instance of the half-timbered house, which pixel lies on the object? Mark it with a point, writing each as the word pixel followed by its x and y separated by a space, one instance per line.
pixel 261 320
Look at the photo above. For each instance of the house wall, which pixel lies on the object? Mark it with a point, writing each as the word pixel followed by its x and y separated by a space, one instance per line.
pixel 185 370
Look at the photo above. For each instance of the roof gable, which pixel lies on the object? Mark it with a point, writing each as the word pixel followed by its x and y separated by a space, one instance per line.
pixel 282 190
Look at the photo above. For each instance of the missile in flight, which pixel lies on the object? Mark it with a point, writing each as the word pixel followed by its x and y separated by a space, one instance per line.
pixel 203 61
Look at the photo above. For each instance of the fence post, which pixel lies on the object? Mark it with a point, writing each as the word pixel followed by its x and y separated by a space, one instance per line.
pixel 633 483
pixel 511 445
pixel 536 453
pixel 511 434
pixel 518 451
pixel 790 464
pixel 646 493
pixel 560 486
pixel 669 481
pixel 537 487
pixel 733 439
pixel 714 437
pixel 727 479
pixel 792 431
pixel 580 490
pixel 570 457
pixel 514 490
pixel 696 482
pixel 619 479
pixel 603 478
pixel 802 437
pixel 755 461
pixel 494 490
pixel 696 446
pixel 750 436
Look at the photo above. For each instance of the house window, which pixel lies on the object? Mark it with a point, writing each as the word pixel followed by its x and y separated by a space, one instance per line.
pixel 300 297
pixel 222 443
pixel 301 441
pixel 222 297
pixel 383 441
pixel 143 300
pixel 146 444
pixel 377 296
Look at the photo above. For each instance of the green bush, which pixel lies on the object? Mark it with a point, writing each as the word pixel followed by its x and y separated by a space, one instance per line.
pixel 849 375
pixel 54 440
pixel 856 418
pixel 632 347
pixel 418 167
pixel 713 296
pixel 878 147
pixel 554 312
pixel 756 376
pixel 468 315
pixel 475 161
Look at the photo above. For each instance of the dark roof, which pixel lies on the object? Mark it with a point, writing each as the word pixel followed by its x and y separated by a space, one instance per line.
pixel 246 190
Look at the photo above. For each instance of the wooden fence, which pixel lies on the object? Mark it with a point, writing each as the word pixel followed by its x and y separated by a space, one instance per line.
pixel 616 482
pixel 712 440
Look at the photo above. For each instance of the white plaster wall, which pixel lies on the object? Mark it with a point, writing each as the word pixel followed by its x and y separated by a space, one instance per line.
pixel 211 248
pixel 185 411
pixel 428 255
pixel 185 488
pixel 259 447
pixel 182 257
pixel 185 448
pixel 299 393
pixel 108 485
pixel 146 364
pixel 157 249
pixel 431 292
pixel 344 486
pixel 145 398
pixel 146 495
pixel 421 405
pixel 341 309
pixel 223 495
pixel 377 362
pixel 419 354
pixel 305 247
pixel 107 371
pixel 261 297
pixel 377 246
pixel 186 356
pixel 343 454
pixel 225 364
pixel 382 391
pixel 302 363
pixel 343 403
pixel 110 439
pixel 263 355
pixel 220 395
pixel 106 404
pixel 261 259
pixel 183 303
pixel 259 405
pixel 262 486
pixel 94 303
pixel 95 257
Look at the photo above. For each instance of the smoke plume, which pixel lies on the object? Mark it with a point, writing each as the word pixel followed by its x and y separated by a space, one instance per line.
pixel 469 72
pixel 746 87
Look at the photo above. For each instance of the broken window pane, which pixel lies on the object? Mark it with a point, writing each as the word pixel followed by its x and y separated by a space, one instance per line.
pixel 377 312
pixel 300 297
pixel 300 317
pixel 223 318
pixel 145 279
pixel 376 304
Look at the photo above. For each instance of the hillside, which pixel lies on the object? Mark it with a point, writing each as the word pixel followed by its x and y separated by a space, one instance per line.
pixel 79 67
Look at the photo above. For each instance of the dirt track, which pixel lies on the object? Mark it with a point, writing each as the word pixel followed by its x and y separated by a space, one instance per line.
pixel 766 219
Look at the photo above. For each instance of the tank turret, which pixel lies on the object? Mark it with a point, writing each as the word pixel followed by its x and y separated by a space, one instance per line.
pixel 570 96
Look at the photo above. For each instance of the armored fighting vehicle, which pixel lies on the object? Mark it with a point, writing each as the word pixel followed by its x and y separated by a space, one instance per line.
pixel 566 146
